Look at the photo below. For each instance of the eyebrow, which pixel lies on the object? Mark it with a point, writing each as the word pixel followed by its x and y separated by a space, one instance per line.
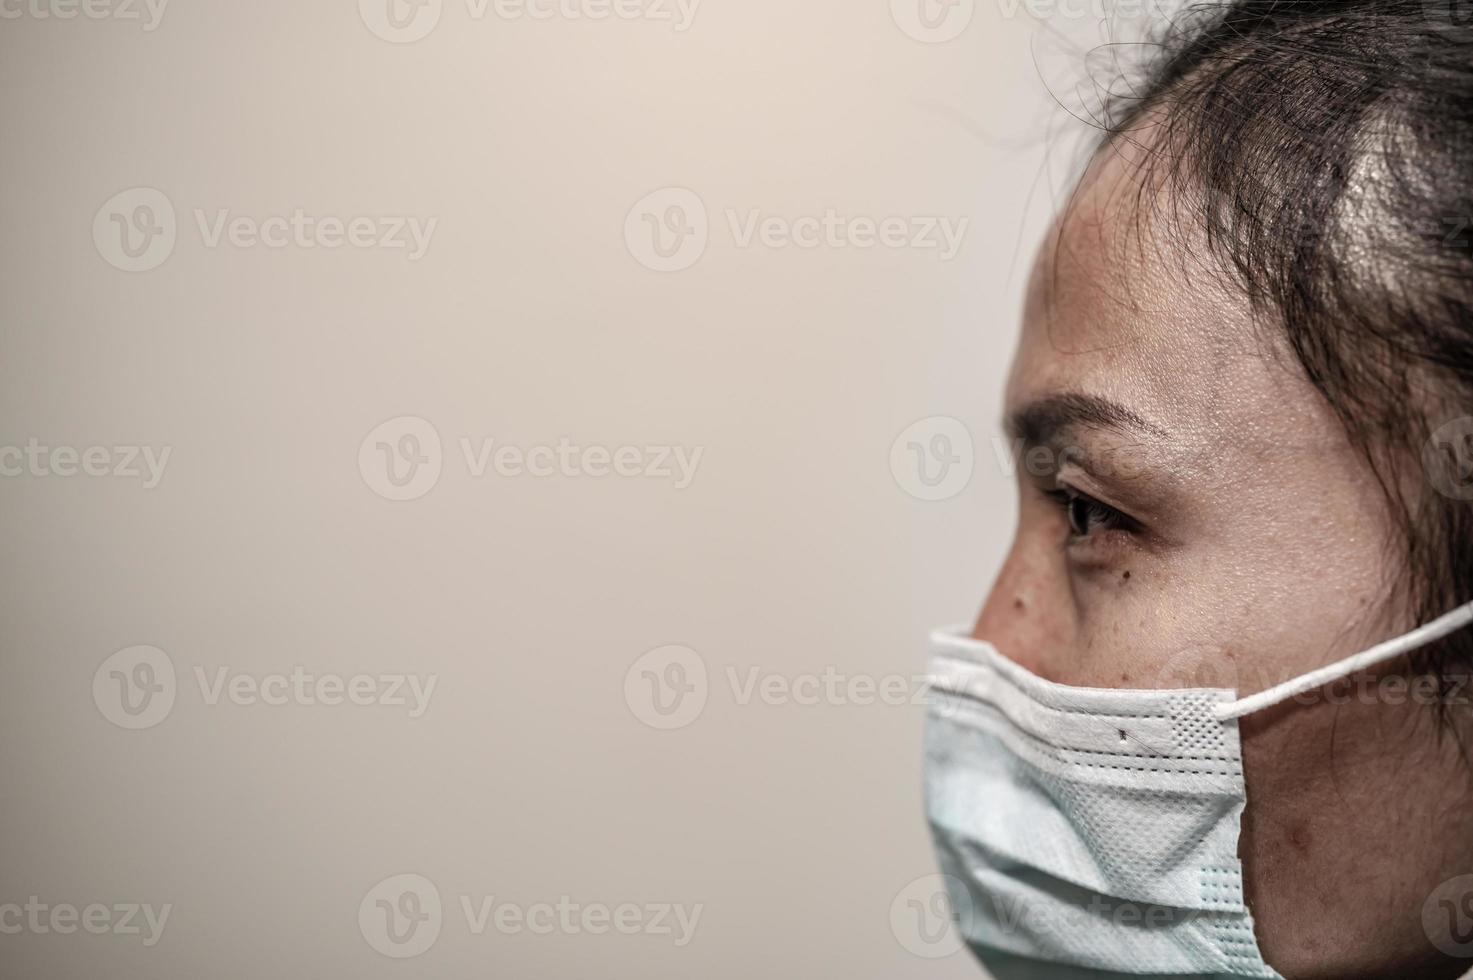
pixel 1041 420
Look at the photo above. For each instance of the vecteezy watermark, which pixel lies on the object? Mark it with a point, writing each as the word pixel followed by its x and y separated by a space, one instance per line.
pixel 938 21
pixel 1215 667
pixel 300 687
pixel 1447 458
pixel 407 21
pixel 1127 461
pixel 926 916
pixel 306 231
pixel 933 915
pixel 402 459
pixel 668 230
pixel 668 687
pixel 567 917
pixel 136 230
pixel 677 464
pixel 401 21
pixel 933 21
pixel 1101 11
pixel 63 918
pixel 403 915
pixel 1457 230
pixel 137 686
pixel 149 13
pixel 1449 17
pixel 933 458
pixel 120 462
pixel 1447 917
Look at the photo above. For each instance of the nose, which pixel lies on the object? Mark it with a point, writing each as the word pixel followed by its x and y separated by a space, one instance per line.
pixel 1029 615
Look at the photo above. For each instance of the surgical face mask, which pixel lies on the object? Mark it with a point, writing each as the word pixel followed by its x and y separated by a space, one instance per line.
pixel 1094 832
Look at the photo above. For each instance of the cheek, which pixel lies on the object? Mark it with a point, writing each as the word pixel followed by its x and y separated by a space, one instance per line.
pixel 1081 620
pixel 1339 796
pixel 1068 623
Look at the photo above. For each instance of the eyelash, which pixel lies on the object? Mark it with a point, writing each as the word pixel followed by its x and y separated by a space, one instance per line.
pixel 1085 514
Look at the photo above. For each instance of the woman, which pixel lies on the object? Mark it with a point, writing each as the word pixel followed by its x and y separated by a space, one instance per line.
pixel 1246 372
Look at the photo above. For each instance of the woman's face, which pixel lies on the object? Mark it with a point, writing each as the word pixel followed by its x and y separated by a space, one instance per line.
pixel 1192 515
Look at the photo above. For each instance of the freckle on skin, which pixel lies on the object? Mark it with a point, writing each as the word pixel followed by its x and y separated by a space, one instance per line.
pixel 1299 837
pixel 1018 603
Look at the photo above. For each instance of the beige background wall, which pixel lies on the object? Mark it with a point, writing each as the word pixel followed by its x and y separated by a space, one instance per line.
pixel 533 316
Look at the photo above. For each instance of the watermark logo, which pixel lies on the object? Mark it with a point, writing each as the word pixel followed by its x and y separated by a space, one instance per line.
pixel 135 687
pixel 150 13
pixel 1458 236
pixel 1452 17
pixel 946 697
pixel 667 230
pixel 677 464
pixel 135 230
pixel 1448 458
pixel 679 14
pixel 405 21
pixel 1127 461
pixel 1447 917
pixel 933 458
pixel 303 230
pixel 400 21
pixel 63 918
pixel 401 459
pixel 832 230
pixel 401 915
pixel 933 21
pixel 924 918
pixel 568 917
pixel 41 461
pixel 1112 12
pixel 1210 667
pixel 301 687
pixel 666 687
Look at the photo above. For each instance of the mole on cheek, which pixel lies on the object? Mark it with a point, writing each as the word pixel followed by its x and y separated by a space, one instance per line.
pixel 1125 577
pixel 1018 603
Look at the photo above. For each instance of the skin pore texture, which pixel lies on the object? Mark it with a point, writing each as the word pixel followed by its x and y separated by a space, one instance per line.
pixel 1192 515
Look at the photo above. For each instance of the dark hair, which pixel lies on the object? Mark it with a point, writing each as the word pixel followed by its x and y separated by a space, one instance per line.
pixel 1326 151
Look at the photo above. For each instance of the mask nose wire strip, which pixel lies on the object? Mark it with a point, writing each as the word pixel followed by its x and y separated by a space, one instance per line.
pixel 1419 637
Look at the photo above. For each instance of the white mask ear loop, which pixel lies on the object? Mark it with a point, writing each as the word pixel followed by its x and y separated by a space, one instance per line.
pixel 1419 637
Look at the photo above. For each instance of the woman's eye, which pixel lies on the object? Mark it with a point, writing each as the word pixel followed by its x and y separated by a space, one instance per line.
pixel 1087 515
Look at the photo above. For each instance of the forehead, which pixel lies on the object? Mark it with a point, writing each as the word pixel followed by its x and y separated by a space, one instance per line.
pixel 1126 303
